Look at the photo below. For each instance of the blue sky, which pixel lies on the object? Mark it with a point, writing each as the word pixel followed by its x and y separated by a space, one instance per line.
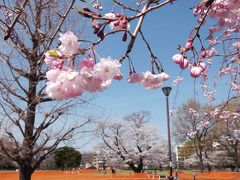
pixel 165 29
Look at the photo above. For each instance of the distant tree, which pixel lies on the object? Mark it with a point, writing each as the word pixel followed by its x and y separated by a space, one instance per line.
pixel 191 123
pixel 48 163
pixel 67 157
pixel 226 131
pixel 132 141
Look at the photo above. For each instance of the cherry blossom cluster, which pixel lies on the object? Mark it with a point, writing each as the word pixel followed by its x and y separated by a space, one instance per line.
pixel 229 116
pixel 66 80
pixel 198 66
pixel 200 125
pixel 191 133
pixel 98 6
pixel 225 70
pixel 210 94
pixel 140 2
pixel 203 124
pixel 178 80
pixel 213 114
pixel 193 112
pixel 227 14
pixel 116 22
pixel 235 87
pixel 148 79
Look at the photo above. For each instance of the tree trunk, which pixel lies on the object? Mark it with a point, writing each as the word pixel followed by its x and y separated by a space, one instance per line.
pixel 236 158
pixel 201 162
pixel 25 173
pixel 139 167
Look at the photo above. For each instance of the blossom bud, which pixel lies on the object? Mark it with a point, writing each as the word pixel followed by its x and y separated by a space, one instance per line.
pixel 95 30
pixel 100 8
pixel 196 71
pixel 86 9
pixel 188 45
pixel 101 34
pixel 202 65
pixel 118 77
pixel 124 38
pixel 178 58
pixel 203 52
pixel 116 23
pixel 184 64
pixel 124 21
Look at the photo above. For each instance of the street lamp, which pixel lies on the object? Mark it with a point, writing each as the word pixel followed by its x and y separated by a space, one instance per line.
pixel 166 91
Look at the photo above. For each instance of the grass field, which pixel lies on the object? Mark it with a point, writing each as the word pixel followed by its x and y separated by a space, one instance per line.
pixel 93 175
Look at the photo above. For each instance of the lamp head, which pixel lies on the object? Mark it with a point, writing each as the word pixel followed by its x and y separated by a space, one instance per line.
pixel 166 90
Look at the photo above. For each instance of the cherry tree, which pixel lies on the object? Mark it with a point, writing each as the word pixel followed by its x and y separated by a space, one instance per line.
pixel 32 125
pixel 226 133
pixel 132 141
pixel 191 123
pixel 73 66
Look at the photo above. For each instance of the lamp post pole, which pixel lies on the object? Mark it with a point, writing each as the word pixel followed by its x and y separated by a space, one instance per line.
pixel 166 91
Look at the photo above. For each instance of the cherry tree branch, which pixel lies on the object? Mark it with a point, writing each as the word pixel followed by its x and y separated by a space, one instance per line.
pixel 137 29
pixel 125 7
pixel 147 10
pixel 15 20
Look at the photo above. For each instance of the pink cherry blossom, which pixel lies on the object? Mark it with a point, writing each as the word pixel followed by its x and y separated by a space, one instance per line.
pixel 98 6
pixel 202 65
pixel 135 78
pixel 69 43
pixel 164 76
pixel 225 115
pixel 73 85
pixel 177 81
pixel 178 58
pixel 210 96
pixel 120 24
pixel 118 77
pixel 184 64
pixel 52 75
pixel 198 10
pixel 211 52
pixel 188 45
pixel 203 53
pixel 225 70
pixel 92 78
pixel 192 133
pixel 152 81
pixel 96 24
pixel 196 71
pixel 54 90
pixel 235 87
pixel 110 15
pixel 94 84
pixel 227 13
pixel 87 62
pixel 107 68
pixel 53 61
